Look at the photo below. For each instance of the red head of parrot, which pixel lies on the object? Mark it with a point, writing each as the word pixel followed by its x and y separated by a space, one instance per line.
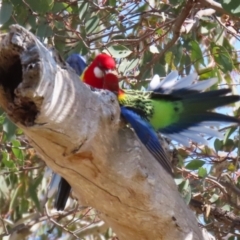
pixel 95 73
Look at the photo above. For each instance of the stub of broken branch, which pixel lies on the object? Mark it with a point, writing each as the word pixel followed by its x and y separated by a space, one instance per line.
pixel 77 132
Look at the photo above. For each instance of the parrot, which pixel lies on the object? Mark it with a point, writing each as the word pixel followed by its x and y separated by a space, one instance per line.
pixel 177 109
pixel 94 73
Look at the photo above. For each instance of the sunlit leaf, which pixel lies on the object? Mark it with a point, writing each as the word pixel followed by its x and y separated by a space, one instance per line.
pixel 126 65
pixel 214 198
pixel 231 167
pixel 226 207
pixel 169 58
pixel 195 164
pixel 178 180
pixel 202 172
pixel 185 190
pixel 7 161
pixel 4 189
pixel 153 49
pixel 16 150
pixel 118 51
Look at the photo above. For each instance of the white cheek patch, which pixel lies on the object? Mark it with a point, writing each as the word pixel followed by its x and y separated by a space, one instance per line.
pixel 98 72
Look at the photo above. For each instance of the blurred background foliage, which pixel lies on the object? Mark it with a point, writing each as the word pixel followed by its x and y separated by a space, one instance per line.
pixel 145 38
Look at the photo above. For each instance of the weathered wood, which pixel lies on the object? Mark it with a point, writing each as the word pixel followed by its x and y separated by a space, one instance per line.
pixel 79 135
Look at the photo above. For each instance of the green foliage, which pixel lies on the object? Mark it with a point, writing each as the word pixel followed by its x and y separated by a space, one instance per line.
pixel 202 172
pixel 9 129
pixel 185 190
pixel 231 6
pixel 92 24
pixel 127 65
pixel 222 57
pixel 195 164
pixel 196 55
pixel 5 12
pixel 119 51
pixel 41 6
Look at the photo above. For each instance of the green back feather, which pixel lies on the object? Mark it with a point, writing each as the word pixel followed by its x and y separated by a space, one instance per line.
pixel 166 110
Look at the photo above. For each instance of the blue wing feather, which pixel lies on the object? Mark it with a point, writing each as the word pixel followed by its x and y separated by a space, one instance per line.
pixel 147 136
pixel 77 62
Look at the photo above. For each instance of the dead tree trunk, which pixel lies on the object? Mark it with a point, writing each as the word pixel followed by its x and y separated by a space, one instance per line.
pixel 79 135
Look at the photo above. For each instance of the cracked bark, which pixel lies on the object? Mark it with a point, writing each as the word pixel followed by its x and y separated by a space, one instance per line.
pixel 79 135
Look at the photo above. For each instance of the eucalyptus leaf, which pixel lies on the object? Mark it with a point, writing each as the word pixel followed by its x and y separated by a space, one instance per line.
pixel 92 24
pixel 119 51
pixel 5 12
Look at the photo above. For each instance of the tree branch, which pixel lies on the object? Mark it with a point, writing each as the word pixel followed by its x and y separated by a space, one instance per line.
pixel 216 6
pixel 77 132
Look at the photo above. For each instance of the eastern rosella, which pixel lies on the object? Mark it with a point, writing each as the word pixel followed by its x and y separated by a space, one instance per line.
pixel 178 109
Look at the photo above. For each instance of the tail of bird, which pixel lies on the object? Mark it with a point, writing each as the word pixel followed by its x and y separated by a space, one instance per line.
pixel 195 104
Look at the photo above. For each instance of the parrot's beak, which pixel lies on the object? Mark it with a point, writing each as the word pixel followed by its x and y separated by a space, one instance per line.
pixel 108 81
pixel 111 71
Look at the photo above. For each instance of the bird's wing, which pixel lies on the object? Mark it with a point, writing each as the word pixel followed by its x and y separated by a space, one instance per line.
pixel 77 62
pixel 184 118
pixel 170 84
pixel 148 136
